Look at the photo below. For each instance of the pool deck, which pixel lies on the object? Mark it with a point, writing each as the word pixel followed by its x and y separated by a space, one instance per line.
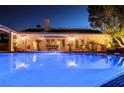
pixel 117 82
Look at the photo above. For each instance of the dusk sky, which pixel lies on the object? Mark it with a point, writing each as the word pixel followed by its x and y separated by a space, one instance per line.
pixel 22 17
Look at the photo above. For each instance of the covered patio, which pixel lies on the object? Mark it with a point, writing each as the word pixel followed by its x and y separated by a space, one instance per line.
pixel 6 38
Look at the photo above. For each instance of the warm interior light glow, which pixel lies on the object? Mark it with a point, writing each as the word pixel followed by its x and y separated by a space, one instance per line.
pixel 71 38
pixel 23 38
pixel 42 38
pixel 58 42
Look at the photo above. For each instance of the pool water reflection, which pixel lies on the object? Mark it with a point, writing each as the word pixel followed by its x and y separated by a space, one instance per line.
pixel 63 60
pixel 58 69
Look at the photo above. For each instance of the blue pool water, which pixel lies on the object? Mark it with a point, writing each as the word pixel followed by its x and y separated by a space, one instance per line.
pixel 54 69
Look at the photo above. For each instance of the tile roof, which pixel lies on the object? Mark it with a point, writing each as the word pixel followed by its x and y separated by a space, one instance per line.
pixel 60 30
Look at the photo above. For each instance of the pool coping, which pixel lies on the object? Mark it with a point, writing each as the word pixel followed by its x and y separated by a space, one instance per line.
pixel 53 51
pixel 88 52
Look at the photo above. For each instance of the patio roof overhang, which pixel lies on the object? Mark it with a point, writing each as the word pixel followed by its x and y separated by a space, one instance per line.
pixel 4 29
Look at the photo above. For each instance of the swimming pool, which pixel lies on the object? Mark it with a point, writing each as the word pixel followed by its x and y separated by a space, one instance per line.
pixel 55 69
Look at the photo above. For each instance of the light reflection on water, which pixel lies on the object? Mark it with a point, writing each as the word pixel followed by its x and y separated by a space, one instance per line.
pixel 65 60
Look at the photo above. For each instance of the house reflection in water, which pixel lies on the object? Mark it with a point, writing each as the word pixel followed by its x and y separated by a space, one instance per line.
pixel 22 61
pixel 64 60
pixel 72 64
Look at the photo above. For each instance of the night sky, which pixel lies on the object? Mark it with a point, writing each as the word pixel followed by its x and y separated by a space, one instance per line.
pixel 64 16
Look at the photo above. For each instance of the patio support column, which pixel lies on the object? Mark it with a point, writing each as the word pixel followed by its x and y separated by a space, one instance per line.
pixel 85 42
pixel 11 42
pixel 66 44
pixel 44 44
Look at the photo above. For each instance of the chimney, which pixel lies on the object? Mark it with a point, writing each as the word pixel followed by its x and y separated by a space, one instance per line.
pixel 46 24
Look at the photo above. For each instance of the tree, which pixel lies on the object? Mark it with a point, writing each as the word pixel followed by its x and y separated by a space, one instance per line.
pixel 109 19
pixel 38 26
